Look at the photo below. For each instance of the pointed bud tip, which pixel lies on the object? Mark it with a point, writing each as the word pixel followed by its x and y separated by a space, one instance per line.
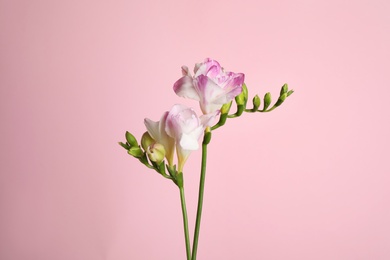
pixel 131 139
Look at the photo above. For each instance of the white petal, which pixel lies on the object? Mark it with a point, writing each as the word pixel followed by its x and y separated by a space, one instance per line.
pixel 208 119
pixel 188 142
pixel 153 128
pixel 184 87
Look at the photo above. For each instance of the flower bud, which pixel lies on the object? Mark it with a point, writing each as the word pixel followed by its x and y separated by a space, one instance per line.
pixel 281 100
pixel 267 100
pixel 226 107
pixel 243 96
pixel 136 152
pixel 156 153
pixel 256 102
pixel 284 89
pixel 131 139
pixel 146 141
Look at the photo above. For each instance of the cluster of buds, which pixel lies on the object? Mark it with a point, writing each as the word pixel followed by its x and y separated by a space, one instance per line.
pixel 151 154
pixel 242 100
pixel 179 130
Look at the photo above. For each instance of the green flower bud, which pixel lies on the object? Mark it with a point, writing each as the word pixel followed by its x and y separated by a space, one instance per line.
pixel 284 89
pixel 131 139
pixel 226 107
pixel 256 102
pixel 267 100
pixel 136 152
pixel 156 153
pixel 281 99
pixel 243 96
pixel 146 141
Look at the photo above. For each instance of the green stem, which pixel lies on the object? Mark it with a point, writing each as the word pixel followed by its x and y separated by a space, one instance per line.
pixel 185 222
pixel 206 140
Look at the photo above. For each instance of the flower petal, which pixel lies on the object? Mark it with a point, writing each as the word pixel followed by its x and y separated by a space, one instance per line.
pixel 157 132
pixel 207 88
pixel 209 68
pixel 185 71
pixel 153 128
pixel 189 142
pixel 208 119
pixel 184 87
pixel 209 91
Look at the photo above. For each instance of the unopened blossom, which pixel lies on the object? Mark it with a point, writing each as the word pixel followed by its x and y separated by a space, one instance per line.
pixel 158 133
pixel 156 152
pixel 211 85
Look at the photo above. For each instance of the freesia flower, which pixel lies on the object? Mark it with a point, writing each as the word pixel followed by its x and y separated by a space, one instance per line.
pixel 186 128
pixel 211 85
pixel 180 128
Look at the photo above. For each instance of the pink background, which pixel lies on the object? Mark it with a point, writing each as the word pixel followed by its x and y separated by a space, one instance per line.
pixel 307 181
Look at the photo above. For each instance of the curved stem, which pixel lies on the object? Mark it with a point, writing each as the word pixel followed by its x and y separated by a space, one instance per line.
pixel 185 222
pixel 200 197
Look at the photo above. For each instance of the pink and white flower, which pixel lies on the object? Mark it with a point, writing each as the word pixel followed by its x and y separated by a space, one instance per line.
pixel 186 128
pixel 179 128
pixel 211 85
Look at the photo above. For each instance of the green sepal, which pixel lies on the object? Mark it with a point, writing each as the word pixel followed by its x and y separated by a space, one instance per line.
pixel 222 119
pixel 179 180
pixel 144 159
pixel 172 170
pixel 136 152
pixel 161 168
pixel 267 100
pixel 240 110
pixel 131 139
pixel 126 146
pixel 284 89
pixel 207 138
pixel 290 92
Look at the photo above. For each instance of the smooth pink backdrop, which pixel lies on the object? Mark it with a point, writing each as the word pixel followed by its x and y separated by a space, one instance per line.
pixel 307 181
